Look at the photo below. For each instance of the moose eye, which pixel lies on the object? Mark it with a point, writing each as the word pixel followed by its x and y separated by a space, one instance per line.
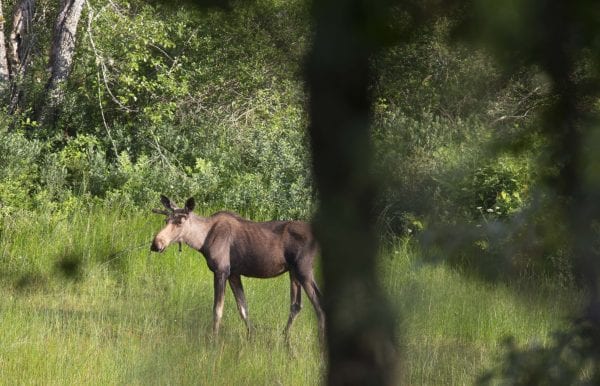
pixel 177 220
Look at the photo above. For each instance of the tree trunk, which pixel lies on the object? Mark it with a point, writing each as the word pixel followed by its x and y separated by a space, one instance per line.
pixel 569 124
pixel 4 73
pixel 19 36
pixel 360 323
pixel 61 57
pixel 19 47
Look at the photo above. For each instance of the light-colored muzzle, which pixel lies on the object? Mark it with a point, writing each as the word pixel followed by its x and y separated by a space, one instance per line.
pixel 158 245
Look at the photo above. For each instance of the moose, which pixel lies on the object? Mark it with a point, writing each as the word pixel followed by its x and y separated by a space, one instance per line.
pixel 236 247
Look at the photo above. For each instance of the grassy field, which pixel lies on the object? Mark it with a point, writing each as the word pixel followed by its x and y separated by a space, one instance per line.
pixel 83 301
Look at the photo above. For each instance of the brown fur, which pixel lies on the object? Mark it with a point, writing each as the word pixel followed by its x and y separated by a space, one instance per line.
pixel 235 247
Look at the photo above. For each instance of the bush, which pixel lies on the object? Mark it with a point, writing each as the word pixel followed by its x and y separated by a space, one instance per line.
pixel 19 174
pixel 495 190
pixel 175 101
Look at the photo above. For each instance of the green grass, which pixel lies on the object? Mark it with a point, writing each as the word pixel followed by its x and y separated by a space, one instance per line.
pixel 454 327
pixel 84 301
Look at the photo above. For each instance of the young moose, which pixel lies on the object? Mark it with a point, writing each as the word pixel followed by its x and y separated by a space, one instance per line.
pixel 234 247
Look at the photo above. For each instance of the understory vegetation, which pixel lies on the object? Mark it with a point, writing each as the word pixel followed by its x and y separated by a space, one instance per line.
pixel 212 104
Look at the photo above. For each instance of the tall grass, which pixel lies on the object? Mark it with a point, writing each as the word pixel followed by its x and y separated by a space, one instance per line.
pixel 85 302
pixel 454 327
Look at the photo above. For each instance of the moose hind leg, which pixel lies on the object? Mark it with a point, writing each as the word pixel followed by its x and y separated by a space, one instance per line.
pixel 235 282
pixel 295 304
pixel 313 293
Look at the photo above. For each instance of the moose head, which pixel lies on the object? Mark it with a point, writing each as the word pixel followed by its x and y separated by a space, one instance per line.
pixel 176 221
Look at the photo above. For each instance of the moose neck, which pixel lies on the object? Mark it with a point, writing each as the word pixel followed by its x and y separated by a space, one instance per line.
pixel 197 229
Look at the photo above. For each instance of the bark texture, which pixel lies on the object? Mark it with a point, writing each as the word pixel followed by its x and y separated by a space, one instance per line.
pixel 19 48
pixel 61 56
pixel 4 72
pixel 19 35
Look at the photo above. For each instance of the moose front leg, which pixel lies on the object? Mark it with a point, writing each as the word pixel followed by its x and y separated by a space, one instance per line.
pixel 220 279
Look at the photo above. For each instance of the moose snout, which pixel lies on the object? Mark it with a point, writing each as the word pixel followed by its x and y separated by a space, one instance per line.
pixel 157 245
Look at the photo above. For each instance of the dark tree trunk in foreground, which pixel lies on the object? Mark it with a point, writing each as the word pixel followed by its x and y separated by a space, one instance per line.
pixel 569 123
pixel 61 56
pixel 360 334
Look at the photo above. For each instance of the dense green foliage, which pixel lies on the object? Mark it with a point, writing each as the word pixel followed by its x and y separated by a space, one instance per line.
pixel 211 103
pixel 178 101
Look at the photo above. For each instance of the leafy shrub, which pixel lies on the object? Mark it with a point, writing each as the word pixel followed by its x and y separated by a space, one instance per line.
pixel 496 189
pixel 85 162
pixel 19 170
pixel 414 157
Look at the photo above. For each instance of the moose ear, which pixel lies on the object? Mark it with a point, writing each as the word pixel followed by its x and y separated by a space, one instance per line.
pixel 190 204
pixel 166 202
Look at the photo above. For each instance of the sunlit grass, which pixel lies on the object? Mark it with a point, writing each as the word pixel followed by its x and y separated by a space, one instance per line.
pixel 85 302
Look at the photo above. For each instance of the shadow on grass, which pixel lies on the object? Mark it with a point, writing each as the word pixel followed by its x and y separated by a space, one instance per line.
pixel 70 266
pixel 30 282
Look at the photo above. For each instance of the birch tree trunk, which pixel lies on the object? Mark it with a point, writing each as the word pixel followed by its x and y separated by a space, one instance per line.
pixel 4 74
pixel 61 57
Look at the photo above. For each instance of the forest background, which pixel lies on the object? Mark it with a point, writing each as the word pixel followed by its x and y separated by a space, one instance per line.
pixel 153 98
pixel 212 104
